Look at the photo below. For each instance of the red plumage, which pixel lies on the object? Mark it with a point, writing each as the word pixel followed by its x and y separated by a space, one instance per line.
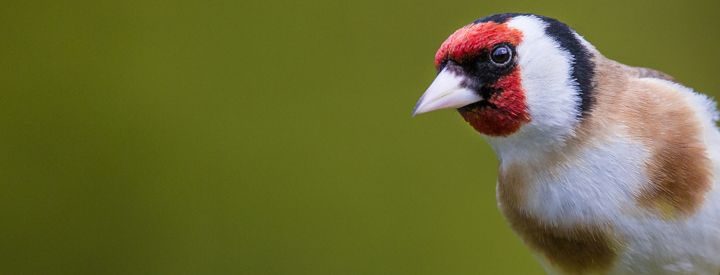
pixel 509 111
pixel 509 108
pixel 472 39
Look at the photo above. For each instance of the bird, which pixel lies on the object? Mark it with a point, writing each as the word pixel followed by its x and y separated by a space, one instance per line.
pixel 603 168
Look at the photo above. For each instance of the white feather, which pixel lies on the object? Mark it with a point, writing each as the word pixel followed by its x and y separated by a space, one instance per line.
pixel 551 93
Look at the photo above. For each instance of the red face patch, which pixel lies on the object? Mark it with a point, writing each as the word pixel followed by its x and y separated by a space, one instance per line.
pixel 508 113
pixel 472 39
pixel 507 109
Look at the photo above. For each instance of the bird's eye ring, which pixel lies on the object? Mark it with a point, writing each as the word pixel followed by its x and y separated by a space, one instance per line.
pixel 501 55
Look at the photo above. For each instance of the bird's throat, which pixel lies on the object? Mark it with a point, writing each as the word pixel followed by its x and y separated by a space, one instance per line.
pixel 503 113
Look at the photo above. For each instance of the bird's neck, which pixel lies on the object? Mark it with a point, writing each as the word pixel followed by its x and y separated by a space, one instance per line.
pixel 530 145
pixel 559 129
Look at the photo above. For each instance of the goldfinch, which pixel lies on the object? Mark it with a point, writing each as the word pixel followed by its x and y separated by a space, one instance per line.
pixel 604 168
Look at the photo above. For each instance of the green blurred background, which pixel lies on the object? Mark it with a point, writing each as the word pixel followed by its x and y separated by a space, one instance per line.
pixel 270 137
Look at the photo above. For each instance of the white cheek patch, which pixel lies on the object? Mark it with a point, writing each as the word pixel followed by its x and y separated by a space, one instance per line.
pixel 552 95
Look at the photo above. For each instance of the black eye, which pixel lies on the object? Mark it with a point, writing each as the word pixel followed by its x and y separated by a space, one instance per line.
pixel 501 55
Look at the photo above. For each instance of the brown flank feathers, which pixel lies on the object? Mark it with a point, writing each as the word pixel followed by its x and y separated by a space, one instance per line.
pixel 679 170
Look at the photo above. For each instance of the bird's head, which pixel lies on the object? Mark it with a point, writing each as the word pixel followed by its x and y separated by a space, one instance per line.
pixel 513 73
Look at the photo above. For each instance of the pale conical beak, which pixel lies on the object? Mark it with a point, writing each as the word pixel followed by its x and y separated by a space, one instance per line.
pixel 446 91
